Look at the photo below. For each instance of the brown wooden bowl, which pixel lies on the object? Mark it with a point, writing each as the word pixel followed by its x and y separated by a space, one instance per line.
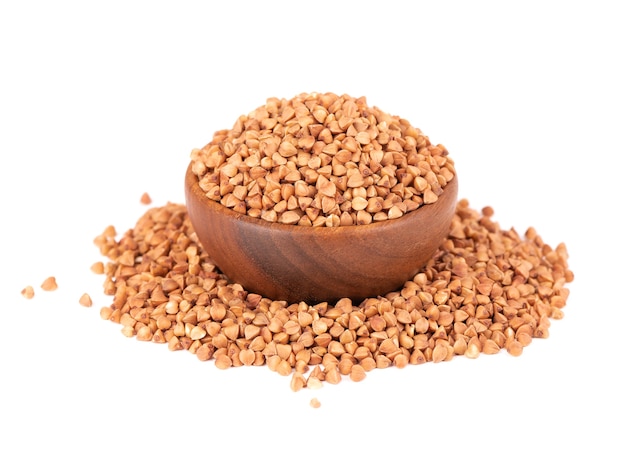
pixel 297 263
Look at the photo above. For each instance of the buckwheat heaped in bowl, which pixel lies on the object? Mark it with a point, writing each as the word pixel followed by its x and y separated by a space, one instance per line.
pixel 322 160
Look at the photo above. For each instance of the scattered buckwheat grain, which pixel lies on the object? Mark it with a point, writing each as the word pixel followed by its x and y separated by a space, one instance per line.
pixel 85 300
pixel 97 267
pixel 145 199
pixel 49 284
pixel 28 292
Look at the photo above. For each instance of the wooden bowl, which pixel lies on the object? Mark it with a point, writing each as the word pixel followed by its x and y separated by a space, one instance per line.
pixel 317 264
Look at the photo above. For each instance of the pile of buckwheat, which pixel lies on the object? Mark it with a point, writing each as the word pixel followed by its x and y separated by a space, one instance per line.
pixel 322 160
pixel 485 290
pixel 328 160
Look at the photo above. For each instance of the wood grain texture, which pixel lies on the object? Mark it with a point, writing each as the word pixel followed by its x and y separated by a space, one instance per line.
pixel 295 263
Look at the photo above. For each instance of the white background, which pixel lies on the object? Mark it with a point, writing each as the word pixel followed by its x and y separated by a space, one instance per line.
pixel 102 101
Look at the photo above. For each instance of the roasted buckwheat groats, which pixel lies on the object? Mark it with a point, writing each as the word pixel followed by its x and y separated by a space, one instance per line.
pixel 484 291
pixel 322 160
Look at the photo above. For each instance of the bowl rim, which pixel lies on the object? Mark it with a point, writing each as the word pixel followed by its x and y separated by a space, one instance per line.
pixel 192 182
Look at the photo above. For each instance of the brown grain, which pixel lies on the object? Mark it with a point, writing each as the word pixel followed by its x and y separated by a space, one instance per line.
pixel 97 267
pixel 357 373
pixel 145 199
pixel 85 300
pixel 49 284
pixel 485 290
pixel 28 292
pixel 223 362
pixel 297 381
pixel 322 160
